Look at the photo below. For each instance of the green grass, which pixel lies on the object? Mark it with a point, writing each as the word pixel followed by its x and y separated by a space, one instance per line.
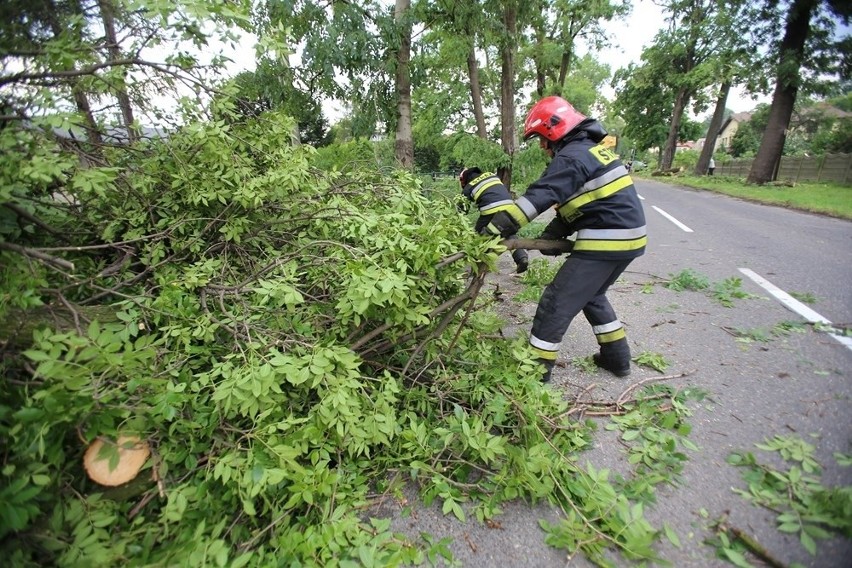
pixel 827 198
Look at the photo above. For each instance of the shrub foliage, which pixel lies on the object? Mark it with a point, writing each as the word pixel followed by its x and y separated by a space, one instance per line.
pixel 287 340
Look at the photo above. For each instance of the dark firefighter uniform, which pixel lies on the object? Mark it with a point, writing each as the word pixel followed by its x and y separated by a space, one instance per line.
pixel 596 198
pixel 490 195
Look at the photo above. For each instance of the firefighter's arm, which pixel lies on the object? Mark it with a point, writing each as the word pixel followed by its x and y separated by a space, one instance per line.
pixel 510 220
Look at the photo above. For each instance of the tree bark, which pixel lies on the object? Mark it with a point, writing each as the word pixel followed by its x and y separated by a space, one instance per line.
pixel 114 54
pixel 404 143
pixel 508 134
pixel 540 75
pixel 93 134
pixel 476 92
pixel 17 325
pixel 681 100
pixel 713 130
pixel 564 66
pixel 764 167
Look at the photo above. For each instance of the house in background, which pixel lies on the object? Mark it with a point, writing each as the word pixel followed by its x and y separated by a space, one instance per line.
pixel 729 129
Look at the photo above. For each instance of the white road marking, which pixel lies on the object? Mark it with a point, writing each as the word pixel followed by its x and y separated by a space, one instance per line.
pixel 672 219
pixel 640 197
pixel 794 305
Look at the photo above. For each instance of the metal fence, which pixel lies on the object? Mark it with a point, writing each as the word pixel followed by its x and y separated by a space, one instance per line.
pixel 835 168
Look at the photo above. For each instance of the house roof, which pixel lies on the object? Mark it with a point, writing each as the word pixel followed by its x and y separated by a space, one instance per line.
pixel 823 110
pixel 738 117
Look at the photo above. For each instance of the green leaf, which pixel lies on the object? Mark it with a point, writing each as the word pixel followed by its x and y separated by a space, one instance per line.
pixel 736 558
pixel 630 435
pixel 808 542
pixel 671 535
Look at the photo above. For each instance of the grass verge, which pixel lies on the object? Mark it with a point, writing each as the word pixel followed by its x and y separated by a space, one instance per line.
pixel 824 198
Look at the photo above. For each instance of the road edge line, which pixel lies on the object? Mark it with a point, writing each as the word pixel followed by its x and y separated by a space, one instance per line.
pixel 794 305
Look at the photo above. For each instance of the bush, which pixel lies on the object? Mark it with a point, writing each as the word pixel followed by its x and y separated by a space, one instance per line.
pixel 284 339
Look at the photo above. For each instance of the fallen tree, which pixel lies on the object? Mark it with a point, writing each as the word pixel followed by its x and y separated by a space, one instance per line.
pixel 283 340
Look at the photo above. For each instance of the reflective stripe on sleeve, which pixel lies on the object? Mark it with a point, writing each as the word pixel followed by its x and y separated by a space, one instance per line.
pixel 480 189
pixel 528 208
pixel 492 208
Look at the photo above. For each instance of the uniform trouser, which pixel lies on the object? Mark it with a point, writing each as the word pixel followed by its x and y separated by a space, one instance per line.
pixel 520 256
pixel 580 284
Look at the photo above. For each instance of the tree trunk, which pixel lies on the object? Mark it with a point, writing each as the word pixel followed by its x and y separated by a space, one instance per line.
pixel 93 134
pixel 764 167
pixel 540 75
pixel 476 92
pixel 404 143
pixel 713 130
pixel 670 147
pixel 114 54
pixel 508 134
pixel 18 324
pixel 564 66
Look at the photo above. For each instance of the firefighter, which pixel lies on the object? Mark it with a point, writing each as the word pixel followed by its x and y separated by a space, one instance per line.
pixel 489 194
pixel 595 197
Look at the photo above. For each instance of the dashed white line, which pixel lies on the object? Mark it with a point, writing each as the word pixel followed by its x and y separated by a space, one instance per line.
pixel 672 219
pixel 794 305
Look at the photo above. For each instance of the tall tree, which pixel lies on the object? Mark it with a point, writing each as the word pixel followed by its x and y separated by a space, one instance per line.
pixel 580 18
pixel 508 47
pixel 347 54
pixel 404 143
pixel 107 9
pixel 644 103
pixel 793 53
pixel 555 28
pixel 687 45
pixel 739 30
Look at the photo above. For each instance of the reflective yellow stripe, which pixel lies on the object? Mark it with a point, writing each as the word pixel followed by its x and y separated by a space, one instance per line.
pixel 611 336
pixel 590 244
pixel 493 210
pixel 571 206
pixel 542 354
pixel 485 186
pixel 517 214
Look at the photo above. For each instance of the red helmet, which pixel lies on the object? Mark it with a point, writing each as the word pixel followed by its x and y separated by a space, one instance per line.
pixel 551 118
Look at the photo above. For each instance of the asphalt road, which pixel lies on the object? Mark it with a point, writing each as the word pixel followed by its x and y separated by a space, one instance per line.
pixel 800 384
pixel 798 252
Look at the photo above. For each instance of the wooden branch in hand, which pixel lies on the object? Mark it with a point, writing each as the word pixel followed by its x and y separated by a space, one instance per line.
pixel 538 244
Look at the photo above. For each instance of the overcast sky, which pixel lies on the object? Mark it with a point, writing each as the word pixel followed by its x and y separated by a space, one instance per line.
pixel 631 36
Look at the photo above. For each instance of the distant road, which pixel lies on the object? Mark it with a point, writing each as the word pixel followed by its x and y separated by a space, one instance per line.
pixel 717 235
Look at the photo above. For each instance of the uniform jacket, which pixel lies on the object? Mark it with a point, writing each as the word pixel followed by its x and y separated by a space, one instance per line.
pixel 594 195
pixel 490 196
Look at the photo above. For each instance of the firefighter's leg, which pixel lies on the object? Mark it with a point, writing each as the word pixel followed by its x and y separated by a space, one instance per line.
pixel 575 284
pixel 609 332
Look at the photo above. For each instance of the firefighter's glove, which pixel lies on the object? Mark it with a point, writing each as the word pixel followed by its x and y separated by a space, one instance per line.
pixel 506 223
pixel 556 230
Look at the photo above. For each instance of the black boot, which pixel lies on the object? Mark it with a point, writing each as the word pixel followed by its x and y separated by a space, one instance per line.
pixel 521 259
pixel 548 369
pixel 614 357
pixel 616 368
